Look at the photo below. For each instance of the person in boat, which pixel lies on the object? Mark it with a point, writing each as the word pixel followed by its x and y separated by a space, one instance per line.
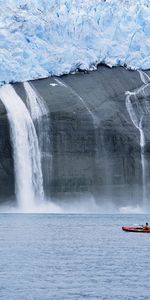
pixel 146 226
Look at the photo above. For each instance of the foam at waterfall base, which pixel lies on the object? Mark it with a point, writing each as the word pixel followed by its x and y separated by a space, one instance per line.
pixel 78 205
pixel 132 209
pixel 45 207
pixel 74 205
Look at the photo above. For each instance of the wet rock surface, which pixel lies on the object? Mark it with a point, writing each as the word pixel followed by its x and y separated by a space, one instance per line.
pixel 6 158
pixel 94 145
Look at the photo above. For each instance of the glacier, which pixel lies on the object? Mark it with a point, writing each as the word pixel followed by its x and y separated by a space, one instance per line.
pixel 41 38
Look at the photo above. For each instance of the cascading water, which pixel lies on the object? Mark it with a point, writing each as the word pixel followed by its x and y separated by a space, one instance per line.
pixel 27 160
pixel 144 77
pixel 139 108
pixel 138 124
pixel 40 115
pixel 79 97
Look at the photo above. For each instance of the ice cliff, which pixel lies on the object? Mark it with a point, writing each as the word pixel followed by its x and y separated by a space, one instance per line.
pixel 40 38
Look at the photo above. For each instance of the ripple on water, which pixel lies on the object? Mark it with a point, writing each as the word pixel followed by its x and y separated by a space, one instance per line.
pixel 73 257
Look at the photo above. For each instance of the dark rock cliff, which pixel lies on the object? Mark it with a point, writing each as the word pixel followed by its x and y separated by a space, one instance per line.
pixel 6 158
pixel 94 144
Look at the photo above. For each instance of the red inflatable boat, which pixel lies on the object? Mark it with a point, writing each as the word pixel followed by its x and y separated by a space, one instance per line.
pixel 135 229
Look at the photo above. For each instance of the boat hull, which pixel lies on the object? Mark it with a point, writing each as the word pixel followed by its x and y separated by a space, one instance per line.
pixel 132 229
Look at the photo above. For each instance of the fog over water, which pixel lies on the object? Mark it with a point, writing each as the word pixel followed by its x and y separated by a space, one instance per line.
pixel 80 205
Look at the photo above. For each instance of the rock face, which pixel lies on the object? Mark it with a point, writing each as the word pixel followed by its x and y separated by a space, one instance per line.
pixel 94 144
pixel 6 158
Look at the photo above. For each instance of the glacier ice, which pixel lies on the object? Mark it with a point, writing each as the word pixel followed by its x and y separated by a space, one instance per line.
pixel 40 38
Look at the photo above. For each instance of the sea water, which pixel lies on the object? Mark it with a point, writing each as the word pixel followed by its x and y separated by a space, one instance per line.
pixel 73 256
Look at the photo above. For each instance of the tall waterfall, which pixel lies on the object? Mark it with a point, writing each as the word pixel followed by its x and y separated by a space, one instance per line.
pixel 138 124
pixel 138 107
pixel 27 160
pixel 40 115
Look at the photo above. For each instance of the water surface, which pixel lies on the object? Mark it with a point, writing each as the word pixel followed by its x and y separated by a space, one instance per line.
pixel 70 256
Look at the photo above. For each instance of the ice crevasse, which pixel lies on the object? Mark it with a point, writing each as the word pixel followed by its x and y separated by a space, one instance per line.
pixel 40 38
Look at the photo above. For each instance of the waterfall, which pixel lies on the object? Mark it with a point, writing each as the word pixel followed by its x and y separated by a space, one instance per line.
pixel 40 115
pixel 144 77
pixel 27 160
pixel 138 124
pixel 79 97
pixel 138 107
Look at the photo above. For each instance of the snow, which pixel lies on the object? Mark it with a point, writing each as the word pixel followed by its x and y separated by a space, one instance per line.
pixel 41 38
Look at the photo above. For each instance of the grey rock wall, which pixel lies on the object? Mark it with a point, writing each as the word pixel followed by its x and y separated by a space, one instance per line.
pixel 94 144
pixel 6 158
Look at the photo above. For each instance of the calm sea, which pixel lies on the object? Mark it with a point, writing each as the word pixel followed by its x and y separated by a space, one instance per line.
pixel 71 256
